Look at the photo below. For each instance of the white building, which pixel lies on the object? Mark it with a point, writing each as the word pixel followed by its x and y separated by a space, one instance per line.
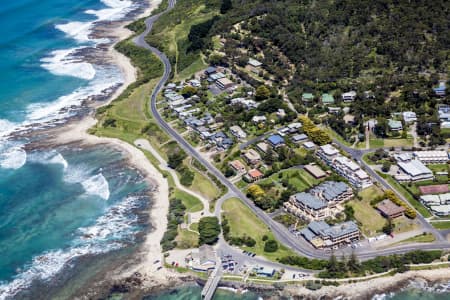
pixel 238 132
pixel 432 157
pixel 349 96
pixel 414 170
pixel 344 166
pixel 259 119
pixel 409 117
pixel 438 204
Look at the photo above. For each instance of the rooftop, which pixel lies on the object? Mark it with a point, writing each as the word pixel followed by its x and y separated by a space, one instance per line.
pixel 310 201
pixel 327 98
pixel 387 207
pixel 255 173
pixel 414 168
pixel 275 139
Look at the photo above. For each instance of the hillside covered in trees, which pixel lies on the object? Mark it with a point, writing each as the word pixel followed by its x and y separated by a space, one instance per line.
pixel 379 42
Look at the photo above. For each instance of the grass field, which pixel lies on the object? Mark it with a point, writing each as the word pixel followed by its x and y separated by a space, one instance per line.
pixel 398 142
pixel 186 239
pixel 243 221
pixel 441 225
pixel 300 179
pixel 372 222
pixel 376 143
pixel 421 238
pixel 192 203
pixel 204 186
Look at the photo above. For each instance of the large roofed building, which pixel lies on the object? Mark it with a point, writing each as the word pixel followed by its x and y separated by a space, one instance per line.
pixel 389 209
pixel 432 157
pixel 320 202
pixel 414 170
pixel 438 204
pixel 322 235
pixel 344 166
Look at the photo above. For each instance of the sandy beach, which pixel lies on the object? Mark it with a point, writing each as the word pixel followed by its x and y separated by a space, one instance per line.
pixel 78 132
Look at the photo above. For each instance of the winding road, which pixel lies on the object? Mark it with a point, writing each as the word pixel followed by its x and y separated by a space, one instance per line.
pixel 282 234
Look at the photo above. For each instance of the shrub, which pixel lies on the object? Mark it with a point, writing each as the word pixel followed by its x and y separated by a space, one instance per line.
pixel 270 246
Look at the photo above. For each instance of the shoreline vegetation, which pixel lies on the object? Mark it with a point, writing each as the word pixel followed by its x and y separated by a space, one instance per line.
pixel 126 118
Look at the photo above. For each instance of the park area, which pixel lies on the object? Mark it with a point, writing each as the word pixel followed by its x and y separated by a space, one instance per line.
pixel 243 222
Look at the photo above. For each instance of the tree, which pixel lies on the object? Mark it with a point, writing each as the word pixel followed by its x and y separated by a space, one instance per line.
pixel 176 159
pixel 353 264
pixel 389 227
pixel 188 91
pixel 386 166
pixel 225 6
pixel 270 246
pixel 209 230
pixel 255 191
pixel 262 92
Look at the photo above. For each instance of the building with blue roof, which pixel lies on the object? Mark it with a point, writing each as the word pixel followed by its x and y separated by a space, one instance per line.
pixel 275 140
pixel 440 90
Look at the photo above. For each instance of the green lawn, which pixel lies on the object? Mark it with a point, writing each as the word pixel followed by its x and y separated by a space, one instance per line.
pixel 300 179
pixel 441 225
pixel 376 143
pixel 192 203
pixel 186 239
pixel 421 238
pixel 243 221
pixel 204 186
pixel 371 221
pixel 398 142
pixel 438 168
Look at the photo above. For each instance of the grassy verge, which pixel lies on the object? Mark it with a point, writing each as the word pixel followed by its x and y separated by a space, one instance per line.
pixel 441 225
pixel 243 221
pixel 170 34
pixel 192 203
pixel 371 221
pixel 421 238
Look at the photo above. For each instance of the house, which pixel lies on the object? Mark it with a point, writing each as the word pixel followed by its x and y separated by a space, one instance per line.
pixel 224 83
pixel 322 235
pixel 349 96
pixel 275 140
pixel 254 63
pixel 238 132
pixel 259 119
pixel 281 113
pixel 252 157
pixel 389 209
pixel 328 153
pixel 247 103
pixel 315 171
pixel 195 83
pixel 327 99
pixel 395 125
pixel 204 132
pixel 414 170
pixel 216 76
pixel 265 272
pixel 253 175
pixel 210 70
pixel 368 95
pixel 263 147
pixel 237 166
pixel 202 259
pixel 440 90
pixel 298 138
pixel 334 110
pixel 409 116
pixel 307 97
pixel 309 146
pixel 444 112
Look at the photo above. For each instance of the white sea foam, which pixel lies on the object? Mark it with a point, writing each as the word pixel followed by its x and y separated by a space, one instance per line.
pixel 6 127
pixel 108 233
pixel 62 63
pixel 116 10
pixel 79 31
pixel 12 157
pixel 97 185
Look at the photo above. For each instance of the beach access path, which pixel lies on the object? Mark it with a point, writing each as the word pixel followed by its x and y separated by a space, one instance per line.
pixel 145 144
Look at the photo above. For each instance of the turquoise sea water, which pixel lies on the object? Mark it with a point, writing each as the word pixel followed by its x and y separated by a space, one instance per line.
pixel 61 204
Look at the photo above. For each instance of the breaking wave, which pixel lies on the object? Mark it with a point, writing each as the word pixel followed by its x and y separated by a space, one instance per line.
pixel 62 63
pixel 111 231
pixel 97 185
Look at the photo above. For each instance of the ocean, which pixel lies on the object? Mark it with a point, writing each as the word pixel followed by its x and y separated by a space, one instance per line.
pixel 59 205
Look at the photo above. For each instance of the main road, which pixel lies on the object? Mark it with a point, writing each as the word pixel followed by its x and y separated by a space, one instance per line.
pixel 281 233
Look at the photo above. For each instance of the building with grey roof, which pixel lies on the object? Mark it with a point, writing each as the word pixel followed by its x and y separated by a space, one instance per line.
pixel 413 170
pixel 322 235
pixel 320 202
